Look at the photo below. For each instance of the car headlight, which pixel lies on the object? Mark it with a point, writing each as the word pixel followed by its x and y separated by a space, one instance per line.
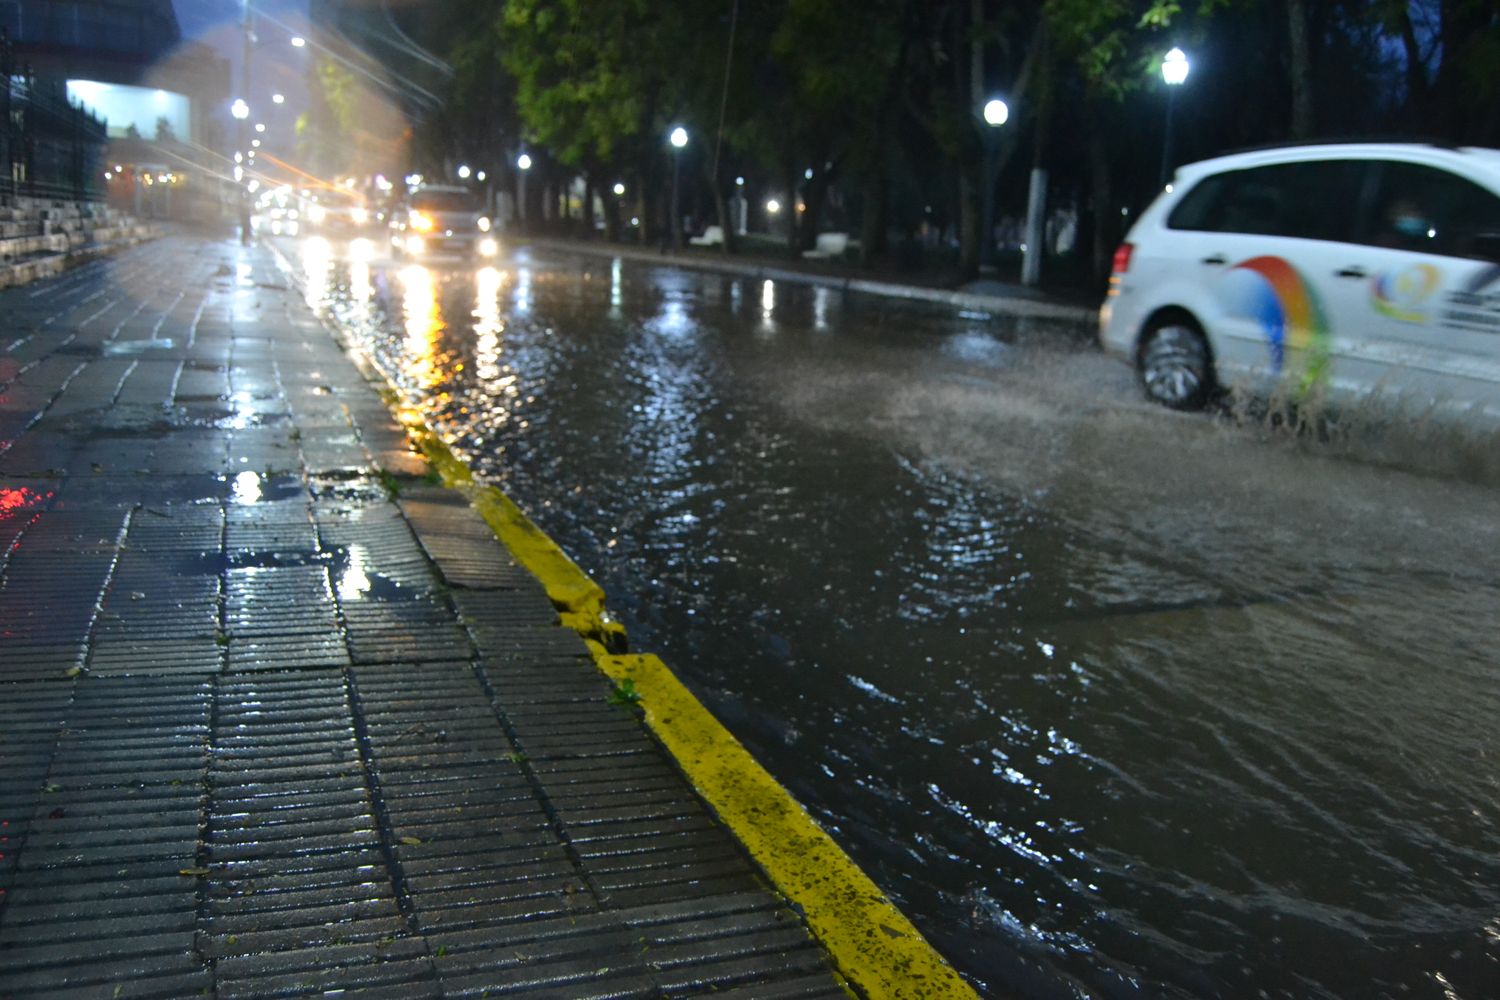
pixel 488 247
pixel 359 215
pixel 484 224
pixel 316 213
pixel 415 245
pixel 292 214
pixel 420 221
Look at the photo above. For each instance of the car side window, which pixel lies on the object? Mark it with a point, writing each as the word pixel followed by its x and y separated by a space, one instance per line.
pixel 1314 200
pixel 1428 210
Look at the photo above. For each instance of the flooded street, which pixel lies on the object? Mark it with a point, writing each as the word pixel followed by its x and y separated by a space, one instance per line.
pixel 1113 701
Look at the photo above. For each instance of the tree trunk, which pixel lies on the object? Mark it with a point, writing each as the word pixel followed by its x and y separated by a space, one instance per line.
pixel 1102 184
pixel 815 196
pixel 1300 49
pixel 872 241
pixel 793 217
pixel 721 211
pixel 612 219
pixel 968 219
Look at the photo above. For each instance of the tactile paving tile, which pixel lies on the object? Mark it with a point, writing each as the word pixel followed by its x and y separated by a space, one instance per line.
pixel 198 383
pixel 475 843
pixel 494 614
pixel 278 601
pixel 462 545
pixel 24 502
pixel 264 449
pixel 292 843
pixel 329 450
pixel 100 895
pixel 190 452
pixel 150 384
pixel 31 716
pixel 281 618
pixel 281 527
pixel 384 541
pixel 47 603
pixel 67 528
pixel 91 389
pixel 176 528
pixel 417 629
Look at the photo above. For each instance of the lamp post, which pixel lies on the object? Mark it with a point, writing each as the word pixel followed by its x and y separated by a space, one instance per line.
pixel 1174 70
pixel 996 113
pixel 240 112
pixel 679 138
pixel 523 163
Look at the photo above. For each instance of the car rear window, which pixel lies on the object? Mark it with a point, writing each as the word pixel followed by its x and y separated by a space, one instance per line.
pixel 1316 200
pixel 443 201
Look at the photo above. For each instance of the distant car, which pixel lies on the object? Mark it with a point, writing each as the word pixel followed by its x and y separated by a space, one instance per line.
pixel 442 221
pixel 1347 268
pixel 337 213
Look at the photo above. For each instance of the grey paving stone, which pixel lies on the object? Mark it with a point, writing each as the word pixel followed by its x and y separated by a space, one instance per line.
pixel 326 741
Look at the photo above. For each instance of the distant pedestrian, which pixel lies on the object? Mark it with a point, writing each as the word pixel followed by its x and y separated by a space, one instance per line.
pixel 246 231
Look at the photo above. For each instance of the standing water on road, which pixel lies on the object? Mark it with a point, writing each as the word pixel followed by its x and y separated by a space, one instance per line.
pixel 1113 702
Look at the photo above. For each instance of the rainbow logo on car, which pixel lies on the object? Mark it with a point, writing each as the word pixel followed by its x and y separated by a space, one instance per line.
pixel 1402 294
pixel 1275 295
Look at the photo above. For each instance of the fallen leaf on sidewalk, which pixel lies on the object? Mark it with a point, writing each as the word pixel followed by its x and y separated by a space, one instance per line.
pixel 413 841
pixel 194 872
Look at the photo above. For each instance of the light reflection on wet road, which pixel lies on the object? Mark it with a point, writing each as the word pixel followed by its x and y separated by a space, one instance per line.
pixel 1113 701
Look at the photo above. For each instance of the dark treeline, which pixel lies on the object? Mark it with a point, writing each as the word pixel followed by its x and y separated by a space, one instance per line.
pixel 864 115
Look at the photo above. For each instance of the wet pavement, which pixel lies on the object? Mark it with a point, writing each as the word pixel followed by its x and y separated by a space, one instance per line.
pixel 278 716
pixel 1114 701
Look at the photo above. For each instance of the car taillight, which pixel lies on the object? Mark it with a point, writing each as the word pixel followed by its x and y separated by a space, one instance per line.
pixel 1122 258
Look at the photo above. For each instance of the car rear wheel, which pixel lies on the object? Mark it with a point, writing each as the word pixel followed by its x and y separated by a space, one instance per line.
pixel 1174 363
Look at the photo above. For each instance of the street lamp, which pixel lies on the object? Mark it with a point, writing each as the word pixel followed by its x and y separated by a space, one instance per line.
pixel 239 109
pixel 1174 70
pixel 463 171
pixel 298 41
pixel 523 162
pixel 278 98
pixel 619 188
pixel 995 113
pixel 679 139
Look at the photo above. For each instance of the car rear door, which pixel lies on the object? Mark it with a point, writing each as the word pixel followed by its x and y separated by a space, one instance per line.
pixel 1264 242
pixel 1426 282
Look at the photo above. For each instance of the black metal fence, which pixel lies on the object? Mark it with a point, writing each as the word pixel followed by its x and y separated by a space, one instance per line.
pixel 48 147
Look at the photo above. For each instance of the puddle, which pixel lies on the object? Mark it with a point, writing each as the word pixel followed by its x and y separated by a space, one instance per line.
pixel 128 348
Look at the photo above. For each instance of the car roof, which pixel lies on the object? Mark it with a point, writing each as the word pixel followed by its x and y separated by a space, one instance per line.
pixel 441 189
pixel 1469 159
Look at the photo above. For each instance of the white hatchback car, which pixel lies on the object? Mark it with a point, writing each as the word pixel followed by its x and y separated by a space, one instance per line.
pixel 1350 269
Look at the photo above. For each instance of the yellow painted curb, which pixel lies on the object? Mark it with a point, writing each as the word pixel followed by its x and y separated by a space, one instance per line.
pixel 872 943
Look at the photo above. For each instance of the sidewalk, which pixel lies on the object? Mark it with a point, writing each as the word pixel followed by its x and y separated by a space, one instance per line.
pixel 279 716
pixel 985 295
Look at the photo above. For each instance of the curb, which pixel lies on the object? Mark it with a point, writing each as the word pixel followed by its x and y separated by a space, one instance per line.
pixel 873 945
pixel 1002 305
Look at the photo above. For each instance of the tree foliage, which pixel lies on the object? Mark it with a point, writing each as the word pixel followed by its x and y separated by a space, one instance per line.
pixel 879 98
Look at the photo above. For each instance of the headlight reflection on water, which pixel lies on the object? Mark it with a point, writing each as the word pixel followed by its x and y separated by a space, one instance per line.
pixel 317 264
pixel 424 325
pixel 487 325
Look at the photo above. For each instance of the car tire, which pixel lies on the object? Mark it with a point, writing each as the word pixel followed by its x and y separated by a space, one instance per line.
pixel 1174 363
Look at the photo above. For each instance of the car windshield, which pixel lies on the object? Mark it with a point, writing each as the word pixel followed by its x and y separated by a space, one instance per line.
pixel 443 201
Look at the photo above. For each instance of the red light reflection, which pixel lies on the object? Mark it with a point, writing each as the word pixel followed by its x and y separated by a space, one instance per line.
pixel 14 499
